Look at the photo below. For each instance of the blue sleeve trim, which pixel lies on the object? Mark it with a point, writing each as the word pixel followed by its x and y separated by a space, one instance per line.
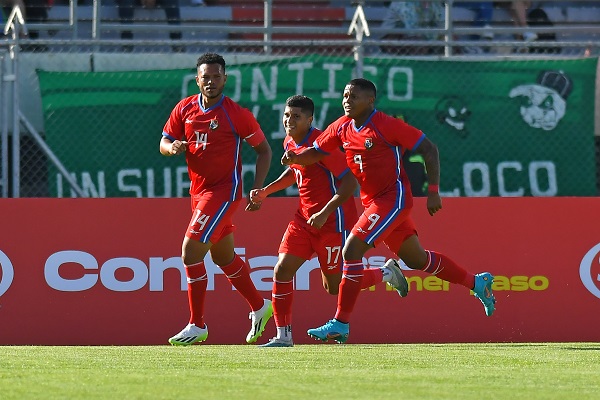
pixel 418 142
pixel 317 148
pixel 171 138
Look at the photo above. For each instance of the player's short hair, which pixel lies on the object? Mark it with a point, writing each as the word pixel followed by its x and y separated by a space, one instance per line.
pixel 211 58
pixel 305 103
pixel 364 84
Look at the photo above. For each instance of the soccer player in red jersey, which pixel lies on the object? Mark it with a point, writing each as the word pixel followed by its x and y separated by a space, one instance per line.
pixel 322 222
pixel 209 129
pixel 374 143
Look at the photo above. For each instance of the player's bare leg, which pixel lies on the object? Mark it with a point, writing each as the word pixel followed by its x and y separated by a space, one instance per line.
pixel 331 282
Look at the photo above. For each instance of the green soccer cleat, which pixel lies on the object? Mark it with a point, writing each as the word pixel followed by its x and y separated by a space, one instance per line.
pixel 398 280
pixel 189 335
pixel 483 291
pixel 332 330
pixel 259 321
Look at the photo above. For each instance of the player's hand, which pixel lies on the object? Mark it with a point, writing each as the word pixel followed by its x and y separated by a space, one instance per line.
pixel 317 220
pixel 434 202
pixel 252 205
pixel 257 195
pixel 288 158
pixel 178 147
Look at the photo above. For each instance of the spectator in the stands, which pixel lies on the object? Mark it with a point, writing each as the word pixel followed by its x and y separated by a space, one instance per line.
pixel 484 12
pixel 518 12
pixel 413 15
pixel 172 12
pixel 538 18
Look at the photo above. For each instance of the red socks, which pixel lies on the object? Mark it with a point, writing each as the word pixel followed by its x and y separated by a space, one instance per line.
pixel 197 281
pixel 349 289
pixel 282 297
pixel 238 273
pixel 371 276
pixel 446 269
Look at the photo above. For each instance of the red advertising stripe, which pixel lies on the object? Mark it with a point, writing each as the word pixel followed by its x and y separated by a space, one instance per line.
pixel 95 271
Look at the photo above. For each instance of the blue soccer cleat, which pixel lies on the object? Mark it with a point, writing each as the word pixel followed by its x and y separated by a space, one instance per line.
pixel 483 291
pixel 332 330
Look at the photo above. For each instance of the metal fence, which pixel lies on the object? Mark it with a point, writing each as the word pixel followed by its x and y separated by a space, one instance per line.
pixel 83 116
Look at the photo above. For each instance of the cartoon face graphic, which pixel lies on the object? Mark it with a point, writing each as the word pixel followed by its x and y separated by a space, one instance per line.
pixel 544 104
pixel 453 111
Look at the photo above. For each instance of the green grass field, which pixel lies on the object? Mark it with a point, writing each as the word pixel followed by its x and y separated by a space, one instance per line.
pixel 400 371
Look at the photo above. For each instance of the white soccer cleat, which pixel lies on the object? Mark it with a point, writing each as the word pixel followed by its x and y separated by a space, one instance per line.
pixel 398 280
pixel 189 335
pixel 259 321
pixel 278 342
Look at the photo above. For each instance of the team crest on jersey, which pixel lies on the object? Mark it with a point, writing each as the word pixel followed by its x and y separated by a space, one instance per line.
pixel 214 124
pixel 368 143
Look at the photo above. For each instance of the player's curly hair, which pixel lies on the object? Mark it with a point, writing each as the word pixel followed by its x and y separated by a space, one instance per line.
pixel 211 58
pixel 305 103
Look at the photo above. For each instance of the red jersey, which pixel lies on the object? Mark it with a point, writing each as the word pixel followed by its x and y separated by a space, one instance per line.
pixel 374 153
pixel 317 183
pixel 214 137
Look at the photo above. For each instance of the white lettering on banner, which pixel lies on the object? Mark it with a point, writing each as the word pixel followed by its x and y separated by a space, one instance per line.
pixel 370 70
pixel 133 182
pixel 331 93
pixel 106 273
pixel 87 184
pixel 259 81
pixel 269 88
pixel 136 173
pixel 153 273
pixel 300 67
pixel 280 132
pixel 52 273
pixel 8 273
pixel 477 182
pixel 408 90
pixel 591 283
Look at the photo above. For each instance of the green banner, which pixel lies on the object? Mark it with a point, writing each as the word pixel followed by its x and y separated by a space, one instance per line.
pixel 504 128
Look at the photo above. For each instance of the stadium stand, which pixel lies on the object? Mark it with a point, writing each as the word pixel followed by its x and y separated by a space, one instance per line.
pixel 307 20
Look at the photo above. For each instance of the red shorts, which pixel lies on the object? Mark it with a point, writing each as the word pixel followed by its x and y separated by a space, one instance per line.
pixel 211 217
pixel 384 221
pixel 302 240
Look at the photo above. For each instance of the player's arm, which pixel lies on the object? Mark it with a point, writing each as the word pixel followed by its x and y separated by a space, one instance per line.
pixel 172 148
pixel 263 163
pixel 431 155
pixel 307 157
pixel 286 179
pixel 348 185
